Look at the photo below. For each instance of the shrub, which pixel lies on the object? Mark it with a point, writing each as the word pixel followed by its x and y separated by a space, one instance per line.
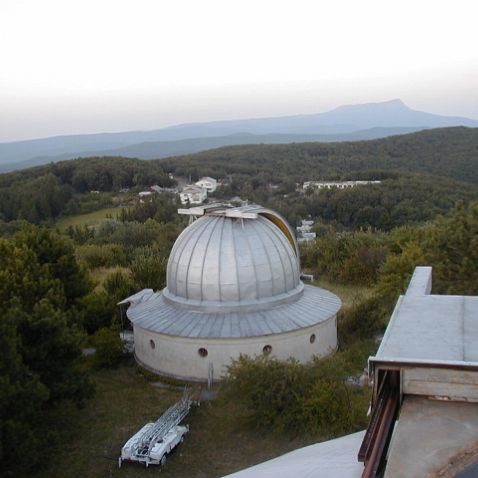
pixel 105 255
pixel 109 348
pixel 99 310
pixel 148 268
pixel 347 257
pixel 363 320
pixel 299 398
pixel 119 285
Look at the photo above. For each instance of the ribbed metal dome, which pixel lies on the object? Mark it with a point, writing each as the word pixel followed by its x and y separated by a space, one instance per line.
pixel 220 262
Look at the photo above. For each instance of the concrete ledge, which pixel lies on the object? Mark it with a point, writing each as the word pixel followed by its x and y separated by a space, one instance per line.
pixel 421 281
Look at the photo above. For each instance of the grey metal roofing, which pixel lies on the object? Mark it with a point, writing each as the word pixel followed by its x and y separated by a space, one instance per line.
pixel 156 314
pixel 234 272
pixel 431 327
pixel 330 459
pixel 138 297
pixel 249 211
pixel 219 259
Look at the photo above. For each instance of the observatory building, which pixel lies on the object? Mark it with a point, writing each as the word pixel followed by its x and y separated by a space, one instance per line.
pixel 233 287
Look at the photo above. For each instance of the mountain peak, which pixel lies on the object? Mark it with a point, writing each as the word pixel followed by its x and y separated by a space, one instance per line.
pixel 395 104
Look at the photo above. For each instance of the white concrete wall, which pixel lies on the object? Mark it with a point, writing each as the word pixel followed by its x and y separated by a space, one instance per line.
pixel 179 357
pixel 421 281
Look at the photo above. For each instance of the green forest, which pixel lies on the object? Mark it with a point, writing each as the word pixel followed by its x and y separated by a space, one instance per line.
pixel 423 174
pixel 59 286
pixel 447 152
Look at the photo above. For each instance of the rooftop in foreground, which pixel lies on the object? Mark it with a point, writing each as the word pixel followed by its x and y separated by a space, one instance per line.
pixel 427 327
pixel 424 419
pixel 331 459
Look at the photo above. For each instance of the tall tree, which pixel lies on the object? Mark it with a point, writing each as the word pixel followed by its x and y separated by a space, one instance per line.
pixel 40 285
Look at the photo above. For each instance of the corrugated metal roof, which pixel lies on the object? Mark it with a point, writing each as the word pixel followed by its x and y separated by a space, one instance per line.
pixel 158 315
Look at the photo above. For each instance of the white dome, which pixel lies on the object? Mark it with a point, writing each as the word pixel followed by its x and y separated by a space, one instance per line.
pixel 220 262
pixel 234 273
pixel 233 287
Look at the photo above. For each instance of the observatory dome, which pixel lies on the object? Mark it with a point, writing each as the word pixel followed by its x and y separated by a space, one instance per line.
pixel 232 287
pixel 221 261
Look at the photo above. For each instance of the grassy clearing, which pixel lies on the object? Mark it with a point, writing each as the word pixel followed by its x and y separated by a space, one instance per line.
pixel 123 403
pixel 217 444
pixel 101 273
pixel 220 440
pixel 349 294
pixel 89 219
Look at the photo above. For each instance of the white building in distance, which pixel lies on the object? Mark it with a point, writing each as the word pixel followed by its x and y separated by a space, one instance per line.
pixel 159 190
pixel 304 231
pixel 209 184
pixel 193 194
pixel 336 184
pixel 233 287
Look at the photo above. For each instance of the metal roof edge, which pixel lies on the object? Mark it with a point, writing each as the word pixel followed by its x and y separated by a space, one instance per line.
pixel 390 325
pixel 423 363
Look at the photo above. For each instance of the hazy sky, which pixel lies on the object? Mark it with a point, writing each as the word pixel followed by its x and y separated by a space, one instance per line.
pixel 76 66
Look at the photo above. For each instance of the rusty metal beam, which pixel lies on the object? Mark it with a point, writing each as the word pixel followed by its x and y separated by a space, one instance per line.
pixel 373 449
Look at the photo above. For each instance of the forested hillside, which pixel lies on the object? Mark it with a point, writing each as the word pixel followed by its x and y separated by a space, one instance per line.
pixel 407 199
pixel 45 192
pixel 448 152
pixel 100 173
pixel 423 174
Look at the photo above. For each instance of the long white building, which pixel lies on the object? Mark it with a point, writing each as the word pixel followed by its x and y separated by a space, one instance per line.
pixel 336 184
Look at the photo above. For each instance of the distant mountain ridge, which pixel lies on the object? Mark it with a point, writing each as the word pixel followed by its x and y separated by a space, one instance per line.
pixel 345 123
pixel 164 149
pixel 344 119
